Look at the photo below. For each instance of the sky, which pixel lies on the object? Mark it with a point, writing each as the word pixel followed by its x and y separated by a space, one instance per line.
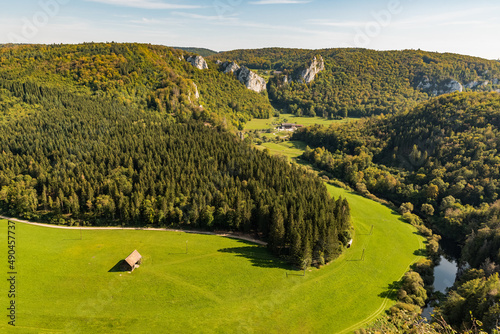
pixel 458 26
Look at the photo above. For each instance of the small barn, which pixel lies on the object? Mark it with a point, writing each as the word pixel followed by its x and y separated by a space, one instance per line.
pixel 132 261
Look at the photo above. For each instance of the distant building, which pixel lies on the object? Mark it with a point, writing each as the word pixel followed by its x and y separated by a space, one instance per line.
pixel 132 261
pixel 288 127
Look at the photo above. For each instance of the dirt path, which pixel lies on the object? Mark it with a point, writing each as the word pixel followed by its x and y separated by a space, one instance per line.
pixel 227 235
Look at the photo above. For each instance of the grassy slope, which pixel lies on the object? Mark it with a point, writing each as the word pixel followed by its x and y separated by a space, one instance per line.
pixel 290 149
pixel 222 285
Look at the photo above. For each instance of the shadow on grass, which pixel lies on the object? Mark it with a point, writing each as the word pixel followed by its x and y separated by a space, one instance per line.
pixel 117 267
pixel 392 291
pixel 297 144
pixel 420 252
pixel 258 256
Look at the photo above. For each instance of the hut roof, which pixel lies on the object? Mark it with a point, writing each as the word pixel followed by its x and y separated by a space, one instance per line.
pixel 133 258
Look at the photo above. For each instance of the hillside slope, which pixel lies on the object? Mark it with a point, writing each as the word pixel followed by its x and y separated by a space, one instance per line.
pixel 445 147
pixel 360 82
pixel 200 51
pixel 145 76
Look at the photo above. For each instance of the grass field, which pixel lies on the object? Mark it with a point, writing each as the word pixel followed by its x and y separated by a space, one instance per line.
pixel 290 149
pixel 222 285
pixel 265 124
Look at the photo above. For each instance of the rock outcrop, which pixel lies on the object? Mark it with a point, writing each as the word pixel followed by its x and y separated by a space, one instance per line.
pixel 474 84
pixel 471 84
pixel 452 86
pixel 440 88
pixel 250 79
pixel 309 74
pixel 196 91
pixel 198 62
pixel 230 67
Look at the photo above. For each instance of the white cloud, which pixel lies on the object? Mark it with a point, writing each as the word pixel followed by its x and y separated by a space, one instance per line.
pixel 145 4
pixel 278 2
pixel 145 20
pixel 413 22
pixel 204 17
pixel 448 18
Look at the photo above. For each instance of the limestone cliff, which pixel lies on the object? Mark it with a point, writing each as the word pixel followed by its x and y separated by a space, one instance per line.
pixel 230 67
pixel 196 92
pixel 440 87
pixel 198 62
pixel 475 84
pixel 309 74
pixel 250 79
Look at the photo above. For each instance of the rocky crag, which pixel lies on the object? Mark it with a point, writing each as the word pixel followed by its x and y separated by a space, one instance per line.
pixel 447 86
pixel 308 74
pixel 250 79
pixel 198 62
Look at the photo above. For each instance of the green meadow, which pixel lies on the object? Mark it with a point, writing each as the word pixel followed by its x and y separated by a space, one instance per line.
pixel 265 124
pixel 289 149
pixel 222 285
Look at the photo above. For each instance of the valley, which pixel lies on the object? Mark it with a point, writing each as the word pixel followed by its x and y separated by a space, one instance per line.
pixel 259 292
pixel 131 145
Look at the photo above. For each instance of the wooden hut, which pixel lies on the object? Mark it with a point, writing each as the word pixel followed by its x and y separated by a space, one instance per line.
pixel 132 261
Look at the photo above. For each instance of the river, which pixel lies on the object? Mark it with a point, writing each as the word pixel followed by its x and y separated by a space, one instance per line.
pixel 444 277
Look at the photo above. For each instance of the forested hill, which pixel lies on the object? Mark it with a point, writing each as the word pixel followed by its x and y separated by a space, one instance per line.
pixel 442 161
pixel 75 153
pixel 200 51
pixel 360 82
pixel 444 153
pixel 145 76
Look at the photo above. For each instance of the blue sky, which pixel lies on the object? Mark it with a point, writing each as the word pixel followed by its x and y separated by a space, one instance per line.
pixel 466 27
